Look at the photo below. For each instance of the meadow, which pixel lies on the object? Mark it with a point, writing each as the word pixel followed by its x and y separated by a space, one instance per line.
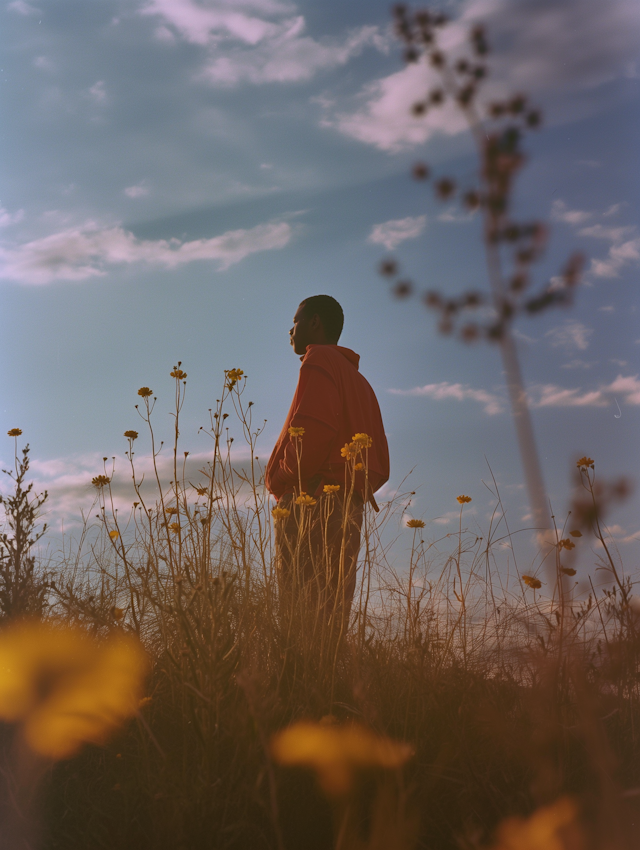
pixel 458 709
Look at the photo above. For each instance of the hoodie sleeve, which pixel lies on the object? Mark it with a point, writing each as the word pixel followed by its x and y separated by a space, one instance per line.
pixel 318 411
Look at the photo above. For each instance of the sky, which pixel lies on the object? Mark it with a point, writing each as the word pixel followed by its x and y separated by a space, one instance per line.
pixel 177 175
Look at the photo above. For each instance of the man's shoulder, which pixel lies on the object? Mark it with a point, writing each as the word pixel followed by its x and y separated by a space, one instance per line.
pixel 334 355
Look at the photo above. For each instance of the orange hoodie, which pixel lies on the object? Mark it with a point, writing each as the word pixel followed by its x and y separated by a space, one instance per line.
pixel 332 402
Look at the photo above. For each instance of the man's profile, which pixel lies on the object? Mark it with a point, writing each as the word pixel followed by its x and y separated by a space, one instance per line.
pixel 329 460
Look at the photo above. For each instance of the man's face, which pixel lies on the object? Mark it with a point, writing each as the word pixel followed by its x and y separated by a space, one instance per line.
pixel 300 332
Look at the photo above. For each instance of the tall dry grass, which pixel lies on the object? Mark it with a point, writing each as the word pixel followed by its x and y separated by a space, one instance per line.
pixel 516 700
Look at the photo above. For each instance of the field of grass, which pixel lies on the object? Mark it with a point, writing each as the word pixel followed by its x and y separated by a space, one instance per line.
pixel 454 712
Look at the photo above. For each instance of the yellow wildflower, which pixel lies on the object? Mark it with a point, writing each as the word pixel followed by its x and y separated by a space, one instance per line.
pixel 330 488
pixel 566 544
pixel 131 435
pixel 171 511
pixel 175 527
pixel 576 533
pixel 296 432
pixel 567 571
pixel 415 523
pixel 359 466
pixel 100 481
pixel 363 440
pixel 552 827
pixel 336 752
pixel 585 463
pixel 15 432
pixel 349 450
pixel 178 374
pixel 280 513
pixel 114 534
pixel 235 374
pixel 533 582
pixel 202 491
pixel 145 392
pixel 305 501
pixel 463 500
pixel 65 688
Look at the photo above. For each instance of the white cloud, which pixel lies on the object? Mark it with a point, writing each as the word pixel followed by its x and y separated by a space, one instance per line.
pixel 454 215
pixel 82 253
pixel 492 404
pixel 624 387
pixel 98 92
pixel 22 7
pixel 614 209
pixel 623 252
pixel 571 334
pixel 578 364
pixel 137 191
pixel 560 212
pixel 7 218
pixel 385 120
pixel 546 48
pixel 392 233
pixel 256 41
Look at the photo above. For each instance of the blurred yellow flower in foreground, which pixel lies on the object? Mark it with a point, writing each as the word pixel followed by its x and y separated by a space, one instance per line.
pixel 65 688
pixel 330 488
pixel 296 432
pixel 114 534
pixel 15 432
pixel 553 827
pixel 532 582
pixel 566 544
pixel 462 500
pixel 415 523
pixel 336 752
pixel 359 466
pixel 585 463
pixel 349 450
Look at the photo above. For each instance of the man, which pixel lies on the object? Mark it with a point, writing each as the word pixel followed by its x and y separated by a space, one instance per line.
pixel 330 458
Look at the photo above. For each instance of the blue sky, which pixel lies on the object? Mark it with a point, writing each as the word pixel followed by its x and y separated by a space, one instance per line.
pixel 177 175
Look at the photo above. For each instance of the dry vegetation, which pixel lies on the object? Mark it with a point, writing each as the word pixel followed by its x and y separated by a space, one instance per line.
pixel 450 705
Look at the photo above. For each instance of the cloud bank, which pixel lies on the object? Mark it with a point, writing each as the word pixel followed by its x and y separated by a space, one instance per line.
pixel 491 403
pixel 87 252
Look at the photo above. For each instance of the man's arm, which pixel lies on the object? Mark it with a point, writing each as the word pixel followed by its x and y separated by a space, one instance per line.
pixel 318 411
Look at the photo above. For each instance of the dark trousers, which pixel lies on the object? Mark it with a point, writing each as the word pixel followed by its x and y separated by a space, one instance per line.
pixel 317 549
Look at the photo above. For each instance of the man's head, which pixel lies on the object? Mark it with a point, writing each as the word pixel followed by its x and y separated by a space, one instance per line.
pixel 318 321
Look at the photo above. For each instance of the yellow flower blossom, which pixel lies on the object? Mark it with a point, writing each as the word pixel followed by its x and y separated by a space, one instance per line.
pixel 296 432
pixel 336 752
pixel 178 374
pixel 202 491
pixel 118 613
pixel 145 392
pixel 114 534
pixel 330 488
pixel 100 481
pixel 235 374
pixel 567 571
pixel 64 687
pixel 280 513
pixel 15 432
pixel 364 441
pixel 358 467
pixel 532 582
pixel 305 501
pixel 463 500
pixel 415 523
pixel 175 527
pixel 171 511
pixel 576 533
pixel 585 463
pixel 566 544
pixel 131 435
pixel 349 450
pixel 553 827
